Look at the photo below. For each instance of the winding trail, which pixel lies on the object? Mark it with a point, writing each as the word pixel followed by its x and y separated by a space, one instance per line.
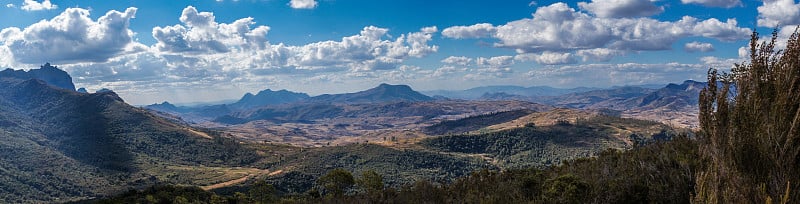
pixel 239 180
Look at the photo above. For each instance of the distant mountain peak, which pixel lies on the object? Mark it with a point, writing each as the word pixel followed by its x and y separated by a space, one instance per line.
pixel 399 87
pixel 688 85
pixel 382 93
pixel 50 74
pixel 268 97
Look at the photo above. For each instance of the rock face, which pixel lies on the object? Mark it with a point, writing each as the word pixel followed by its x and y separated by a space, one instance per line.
pixel 47 73
pixel 268 97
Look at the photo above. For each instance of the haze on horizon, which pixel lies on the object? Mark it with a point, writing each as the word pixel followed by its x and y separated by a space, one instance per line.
pixel 212 50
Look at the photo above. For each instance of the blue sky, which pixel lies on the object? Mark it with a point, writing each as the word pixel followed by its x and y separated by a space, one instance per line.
pixel 208 50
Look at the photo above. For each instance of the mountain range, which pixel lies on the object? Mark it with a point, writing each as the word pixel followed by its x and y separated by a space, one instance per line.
pixel 61 145
pixel 478 92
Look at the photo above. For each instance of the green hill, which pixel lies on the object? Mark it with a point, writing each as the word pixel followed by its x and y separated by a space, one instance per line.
pixel 58 144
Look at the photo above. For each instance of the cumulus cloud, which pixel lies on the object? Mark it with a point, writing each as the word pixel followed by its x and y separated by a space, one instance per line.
pixel 600 75
pixel 368 50
pixel 202 34
pixel 559 28
pixel 10 6
pixel 775 13
pixel 743 52
pixel 480 30
pixel 598 54
pixel 303 4
pixel 72 37
pixel 714 3
pixel 458 60
pixel 33 5
pixel 719 62
pixel 498 61
pixel 695 46
pixel 547 58
pixel 200 41
pixel 446 70
pixel 621 8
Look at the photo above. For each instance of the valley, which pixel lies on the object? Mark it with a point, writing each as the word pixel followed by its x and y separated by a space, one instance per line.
pixel 390 129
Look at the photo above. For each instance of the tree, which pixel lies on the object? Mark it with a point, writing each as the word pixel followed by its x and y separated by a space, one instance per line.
pixel 371 181
pixel 262 192
pixel 566 189
pixel 336 182
pixel 750 128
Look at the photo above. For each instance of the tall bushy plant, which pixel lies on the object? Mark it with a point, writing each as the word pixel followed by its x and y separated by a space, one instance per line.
pixel 750 128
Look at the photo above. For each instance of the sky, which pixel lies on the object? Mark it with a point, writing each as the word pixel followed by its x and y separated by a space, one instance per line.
pixel 213 50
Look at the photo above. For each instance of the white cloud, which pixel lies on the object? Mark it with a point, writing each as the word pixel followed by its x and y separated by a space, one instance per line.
pixel 203 35
pixel 72 37
pixel 559 28
pixel 498 61
pixel 695 46
pixel 458 60
pixel 714 3
pixel 480 30
pixel 743 52
pixel 303 4
pixel 602 75
pixel 33 5
pixel 775 13
pixel 726 64
pixel 10 6
pixel 598 54
pixel 446 70
pixel 547 58
pixel 713 28
pixel 366 51
pixel 621 8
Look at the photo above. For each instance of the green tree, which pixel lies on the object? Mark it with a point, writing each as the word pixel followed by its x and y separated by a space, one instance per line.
pixel 371 181
pixel 262 192
pixel 750 128
pixel 336 182
pixel 566 189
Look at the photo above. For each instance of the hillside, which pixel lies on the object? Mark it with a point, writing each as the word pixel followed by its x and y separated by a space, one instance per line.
pixel 548 138
pixel 473 123
pixel 58 144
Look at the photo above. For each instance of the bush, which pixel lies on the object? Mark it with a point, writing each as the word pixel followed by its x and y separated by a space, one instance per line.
pixel 750 128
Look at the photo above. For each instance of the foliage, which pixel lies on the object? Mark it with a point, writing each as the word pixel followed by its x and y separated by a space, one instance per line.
pixel 262 192
pixel 662 172
pixel 399 167
pixel 163 194
pixel 371 181
pixel 336 182
pixel 750 128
